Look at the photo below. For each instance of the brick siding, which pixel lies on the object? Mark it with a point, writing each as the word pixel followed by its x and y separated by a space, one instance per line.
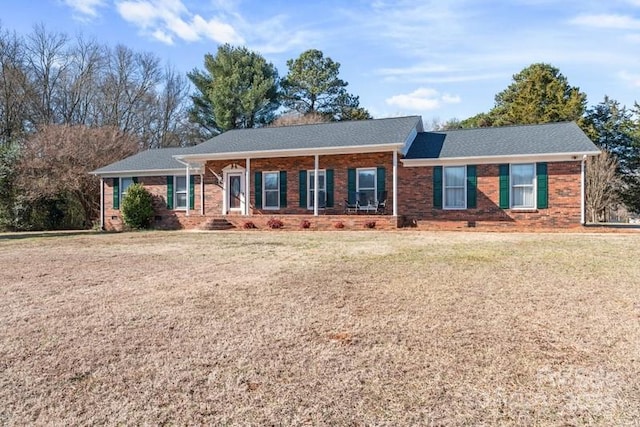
pixel 415 198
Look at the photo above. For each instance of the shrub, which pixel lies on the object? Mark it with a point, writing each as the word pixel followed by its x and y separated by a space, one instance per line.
pixel 370 224
pixel 275 223
pixel 248 225
pixel 137 207
pixel 338 224
pixel 305 223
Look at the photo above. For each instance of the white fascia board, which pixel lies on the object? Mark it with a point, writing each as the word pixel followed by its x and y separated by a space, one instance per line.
pixel 299 152
pixel 480 160
pixel 148 172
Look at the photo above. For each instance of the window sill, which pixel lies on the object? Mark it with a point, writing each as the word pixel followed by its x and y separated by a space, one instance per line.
pixel 524 210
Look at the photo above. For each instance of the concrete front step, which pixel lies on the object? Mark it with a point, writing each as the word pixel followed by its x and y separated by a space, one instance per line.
pixel 217 224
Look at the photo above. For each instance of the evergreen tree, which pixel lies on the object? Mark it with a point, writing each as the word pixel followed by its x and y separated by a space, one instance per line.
pixel 237 89
pixel 313 86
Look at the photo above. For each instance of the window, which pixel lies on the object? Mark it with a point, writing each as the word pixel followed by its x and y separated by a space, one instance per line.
pixel 454 187
pixel 322 189
pixel 180 192
pixel 523 178
pixel 366 186
pixel 125 183
pixel 271 190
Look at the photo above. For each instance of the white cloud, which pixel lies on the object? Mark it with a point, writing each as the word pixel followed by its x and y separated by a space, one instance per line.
pixel 617 22
pixel 422 99
pixel 632 79
pixel 84 9
pixel 166 19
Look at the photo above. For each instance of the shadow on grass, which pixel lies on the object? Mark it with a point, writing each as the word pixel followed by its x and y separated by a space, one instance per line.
pixel 58 233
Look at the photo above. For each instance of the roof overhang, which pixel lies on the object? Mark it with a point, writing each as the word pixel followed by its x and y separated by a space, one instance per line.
pixel 298 152
pixel 517 158
pixel 148 172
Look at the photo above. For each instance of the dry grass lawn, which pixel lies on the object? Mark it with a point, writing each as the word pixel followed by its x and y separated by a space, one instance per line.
pixel 320 328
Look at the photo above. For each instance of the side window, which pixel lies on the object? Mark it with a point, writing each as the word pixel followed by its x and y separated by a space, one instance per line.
pixel 523 178
pixel 271 190
pixel 125 183
pixel 180 192
pixel 454 187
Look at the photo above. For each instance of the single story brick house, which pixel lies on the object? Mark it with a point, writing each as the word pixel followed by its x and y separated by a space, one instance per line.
pixel 385 170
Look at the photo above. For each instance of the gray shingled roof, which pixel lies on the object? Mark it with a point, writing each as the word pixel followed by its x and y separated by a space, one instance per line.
pixel 551 138
pixel 323 135
pixel 149 160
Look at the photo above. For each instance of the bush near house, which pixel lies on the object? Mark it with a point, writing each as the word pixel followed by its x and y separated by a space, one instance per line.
pixel 137 207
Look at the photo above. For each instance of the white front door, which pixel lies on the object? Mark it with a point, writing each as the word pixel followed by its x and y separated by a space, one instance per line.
pixel 235 192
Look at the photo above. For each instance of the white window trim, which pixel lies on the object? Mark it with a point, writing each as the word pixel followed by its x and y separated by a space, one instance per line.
pixel 121 187
pixel 175 193
pixel 535 188
pixel 321 172
pixel 264 192
pixel 444 188
pixel 375 181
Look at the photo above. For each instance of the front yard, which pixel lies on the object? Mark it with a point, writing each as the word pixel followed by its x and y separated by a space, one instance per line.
pixel 320 328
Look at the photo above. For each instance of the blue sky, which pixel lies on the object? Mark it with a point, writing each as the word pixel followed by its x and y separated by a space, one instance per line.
pixel 440 59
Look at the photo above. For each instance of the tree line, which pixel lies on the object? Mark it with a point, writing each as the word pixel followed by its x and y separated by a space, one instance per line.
pixel 540 93
pixel 69 105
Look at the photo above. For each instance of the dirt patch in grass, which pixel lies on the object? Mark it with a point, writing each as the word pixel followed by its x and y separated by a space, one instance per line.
pixel 346 328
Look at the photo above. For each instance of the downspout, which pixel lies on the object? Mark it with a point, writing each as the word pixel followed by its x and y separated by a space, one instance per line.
pixel 101 203
pixel 395 183
pixel 582 190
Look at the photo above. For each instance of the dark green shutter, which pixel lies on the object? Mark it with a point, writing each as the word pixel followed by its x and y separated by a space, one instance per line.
pixel 134 179
pixel 472 185
pixel 257 182
pixel 351 185
pixel 116 193
pixel 543 185
pixel 329 187
pixel 302 182
pixel 283 189
pixel 381 180
pixel 504 186
pixel 192 192
pixel 437 187
pixel 169 192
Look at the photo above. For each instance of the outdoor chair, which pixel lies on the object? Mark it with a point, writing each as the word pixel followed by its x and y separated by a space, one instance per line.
pixel 351 207
pixel 382 203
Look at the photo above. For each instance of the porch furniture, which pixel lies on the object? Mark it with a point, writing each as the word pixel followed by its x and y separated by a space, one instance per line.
pixel 351 207
pixel 382 203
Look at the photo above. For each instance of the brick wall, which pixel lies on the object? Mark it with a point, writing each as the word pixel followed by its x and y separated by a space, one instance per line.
pixel 415 201
pixel 415 197
pixel 164 218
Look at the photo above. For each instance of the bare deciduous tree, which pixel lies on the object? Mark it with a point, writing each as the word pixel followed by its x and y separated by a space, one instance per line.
pixel 603 183
pixel 294 118
pixel 58 158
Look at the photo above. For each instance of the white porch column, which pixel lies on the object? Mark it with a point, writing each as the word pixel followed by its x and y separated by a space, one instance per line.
pixel 315 185
pixel 101 203
pixel 395 183
pixel 247 193
pixel 188 192
pixel 202 191
pixel 582 184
